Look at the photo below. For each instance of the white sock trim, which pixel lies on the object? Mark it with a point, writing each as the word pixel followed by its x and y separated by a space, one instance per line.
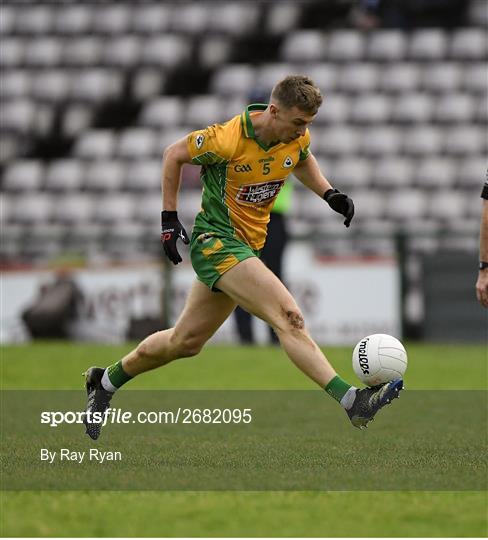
pixel 109 387
pixel 348 398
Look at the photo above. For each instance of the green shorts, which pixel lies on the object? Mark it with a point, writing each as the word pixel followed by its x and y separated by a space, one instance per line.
pixel 212 254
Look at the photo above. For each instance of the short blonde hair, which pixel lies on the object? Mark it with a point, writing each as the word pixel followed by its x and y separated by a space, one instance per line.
pixel 298 91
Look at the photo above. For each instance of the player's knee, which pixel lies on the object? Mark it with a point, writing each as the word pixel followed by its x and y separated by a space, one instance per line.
pixel 291 319
pixel 187 345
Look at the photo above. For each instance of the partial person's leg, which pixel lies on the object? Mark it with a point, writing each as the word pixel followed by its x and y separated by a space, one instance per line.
pixel 243 322
pixel 255 288
pixel 203 314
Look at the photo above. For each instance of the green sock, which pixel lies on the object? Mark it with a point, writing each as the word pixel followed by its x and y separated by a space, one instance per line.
pixel 337 388
pixel 116 374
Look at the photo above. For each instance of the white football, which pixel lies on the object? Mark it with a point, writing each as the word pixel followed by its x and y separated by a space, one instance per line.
pixel 379 358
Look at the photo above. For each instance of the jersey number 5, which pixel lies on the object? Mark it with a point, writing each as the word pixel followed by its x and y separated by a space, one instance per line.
pixel 266 168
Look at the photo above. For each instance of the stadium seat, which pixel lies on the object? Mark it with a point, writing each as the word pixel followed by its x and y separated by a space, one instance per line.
pixel 31 209
pixel 163 111
pixel 442 77
pixel 324 75
pixel 23 176
pixel 423 140
pixel 339 139
pixel 472 172
pixel 469 44
pixel 357 78
pixel 15 83
pixel 112 19
pixel 136 143
pixel 214 51
pixel 401 77
pixel 465 139
pixel 76 118
pixel 191 18
pixel 347 174
pixel 368 203
pixel 412 107
pixel 303 46
pixel 83 51
pixel 267 75
pixel 9 147
pixel 282 18
pixel 143 175
pixel 103 175
pixel 95 144
pixel 478 14
pixel 52 85
pixel 169 50
pixel 96 85
pixel 380 141
pixel 74 209
pixel 202 111
pixel 234 79
pixel 475 77
pixel 393 172
pixel 7 20
pixel 386 45
pixel 114 208
pixel 446 205
pixel 345 45
pixel 43 52
pixel 74 19
pixel 189 204
pixel 234 18
pixel 122 51
pixel 455 108
pixel 151 18
pixel 18 115
pixel 166 137
pixel 408 204
pixel 64 175
pixel 434 172
pixel 335 109
pixel 148 82
pixel 11 52
pixel 428 44
pixel 147 211
pixel 370 109
pixel 37 20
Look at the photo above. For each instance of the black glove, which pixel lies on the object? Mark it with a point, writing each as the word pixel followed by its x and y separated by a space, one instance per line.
pixel 340 203
pixel 171 230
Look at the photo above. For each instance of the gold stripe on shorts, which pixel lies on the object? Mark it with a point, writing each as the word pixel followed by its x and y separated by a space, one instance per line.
pixel 211 250
pixel 226 264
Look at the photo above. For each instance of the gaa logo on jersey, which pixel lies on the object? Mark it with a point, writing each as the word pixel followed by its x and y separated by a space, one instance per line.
pixel 259 193
pixel 199 140
pixel 288 162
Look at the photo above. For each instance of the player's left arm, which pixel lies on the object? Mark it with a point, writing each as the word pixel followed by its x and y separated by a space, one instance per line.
pixel 308 172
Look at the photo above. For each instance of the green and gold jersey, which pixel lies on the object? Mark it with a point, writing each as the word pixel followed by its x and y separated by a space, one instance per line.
pixel 241 176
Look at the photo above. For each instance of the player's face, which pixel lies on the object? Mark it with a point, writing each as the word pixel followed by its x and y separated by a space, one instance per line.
pixel 289 124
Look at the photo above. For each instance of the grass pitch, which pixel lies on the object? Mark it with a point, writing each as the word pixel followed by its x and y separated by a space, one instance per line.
pixel 275 513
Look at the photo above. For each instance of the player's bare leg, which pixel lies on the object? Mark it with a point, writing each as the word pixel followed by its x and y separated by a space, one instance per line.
pixel 203 314
pixel 256 289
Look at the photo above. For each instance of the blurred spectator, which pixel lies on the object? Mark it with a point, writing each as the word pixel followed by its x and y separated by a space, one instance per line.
pixel 407 14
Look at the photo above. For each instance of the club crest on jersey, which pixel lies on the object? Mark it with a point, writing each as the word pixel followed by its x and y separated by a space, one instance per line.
pixel 259 193
pixel 199 140
pixel 288 162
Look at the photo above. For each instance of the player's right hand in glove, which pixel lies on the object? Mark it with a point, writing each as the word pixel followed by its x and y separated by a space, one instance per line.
pixel 171 230
pixel 340 203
